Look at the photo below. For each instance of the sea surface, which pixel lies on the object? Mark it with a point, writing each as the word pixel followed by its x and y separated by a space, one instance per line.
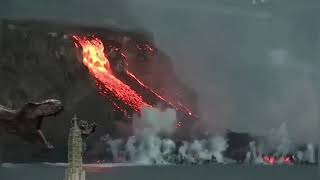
pixel 163 172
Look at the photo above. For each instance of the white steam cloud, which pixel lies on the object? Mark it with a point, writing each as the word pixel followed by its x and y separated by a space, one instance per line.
pixel 278 143
pixel 150 144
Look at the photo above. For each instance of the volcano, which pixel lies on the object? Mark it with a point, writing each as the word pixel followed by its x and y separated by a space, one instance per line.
pixel 103 74
pixel 115 81
pixel 42 60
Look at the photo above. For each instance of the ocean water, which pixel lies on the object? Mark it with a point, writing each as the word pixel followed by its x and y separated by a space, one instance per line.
pixel 201 172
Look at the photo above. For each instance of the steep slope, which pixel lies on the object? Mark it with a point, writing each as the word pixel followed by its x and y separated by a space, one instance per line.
pixel 38 60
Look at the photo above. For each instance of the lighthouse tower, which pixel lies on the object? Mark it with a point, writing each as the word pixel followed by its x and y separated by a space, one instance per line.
pixel 74 170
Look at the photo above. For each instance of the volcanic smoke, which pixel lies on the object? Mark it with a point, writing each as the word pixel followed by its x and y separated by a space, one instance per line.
pixel 146 145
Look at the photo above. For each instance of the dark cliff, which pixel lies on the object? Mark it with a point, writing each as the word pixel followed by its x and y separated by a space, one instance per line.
pixel 38 61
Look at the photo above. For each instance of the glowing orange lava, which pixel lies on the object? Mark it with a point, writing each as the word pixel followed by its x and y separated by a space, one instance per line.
pixel 98 64
pixel 181 107
pixel 99 67
pixel 270 160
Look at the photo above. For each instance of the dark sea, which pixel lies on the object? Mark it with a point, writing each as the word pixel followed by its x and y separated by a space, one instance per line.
pixel 201 172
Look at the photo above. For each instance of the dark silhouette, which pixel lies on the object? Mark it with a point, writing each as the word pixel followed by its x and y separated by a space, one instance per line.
pixel 26 122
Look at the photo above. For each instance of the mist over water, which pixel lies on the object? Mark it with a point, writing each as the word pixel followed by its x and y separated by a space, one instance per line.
pixel 152 143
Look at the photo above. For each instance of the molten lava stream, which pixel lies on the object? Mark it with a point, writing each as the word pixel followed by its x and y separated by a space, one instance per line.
pixel 99 67
pixel 178 106
pixel 115 88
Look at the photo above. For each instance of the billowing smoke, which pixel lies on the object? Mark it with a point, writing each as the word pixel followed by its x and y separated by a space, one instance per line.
pixel 151 143
pixel 309 154
pixel 200 151
pixel 154 122
pixel 255 154
pixel 279 147
pixel 218 146
pixel 279 140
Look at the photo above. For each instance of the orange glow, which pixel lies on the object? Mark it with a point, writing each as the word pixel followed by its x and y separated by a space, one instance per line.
pixel 99 67
pixel 109 85
pixel 270 160
pixel 287 160
pixel 177 106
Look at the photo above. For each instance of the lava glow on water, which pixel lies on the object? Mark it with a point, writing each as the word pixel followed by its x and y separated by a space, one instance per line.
pixel 270 160
pixel 99 67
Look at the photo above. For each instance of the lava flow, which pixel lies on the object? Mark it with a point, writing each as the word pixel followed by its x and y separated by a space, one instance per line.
pixel 99 67
pixel 113 87
pixel 270 160
pixel 181 107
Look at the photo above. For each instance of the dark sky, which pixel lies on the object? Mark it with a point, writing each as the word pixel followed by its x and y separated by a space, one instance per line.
pixel 253 62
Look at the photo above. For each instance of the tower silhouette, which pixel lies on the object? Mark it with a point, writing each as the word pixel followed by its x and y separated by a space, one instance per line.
pixel 75 170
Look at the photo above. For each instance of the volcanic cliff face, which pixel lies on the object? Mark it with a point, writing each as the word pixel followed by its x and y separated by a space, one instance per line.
pixel 39 60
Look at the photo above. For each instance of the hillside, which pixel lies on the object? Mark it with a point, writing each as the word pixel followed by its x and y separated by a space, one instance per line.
pixel 38 60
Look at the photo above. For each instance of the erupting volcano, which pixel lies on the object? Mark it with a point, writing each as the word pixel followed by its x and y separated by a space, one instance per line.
pixel 126 91
pixel 99 67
